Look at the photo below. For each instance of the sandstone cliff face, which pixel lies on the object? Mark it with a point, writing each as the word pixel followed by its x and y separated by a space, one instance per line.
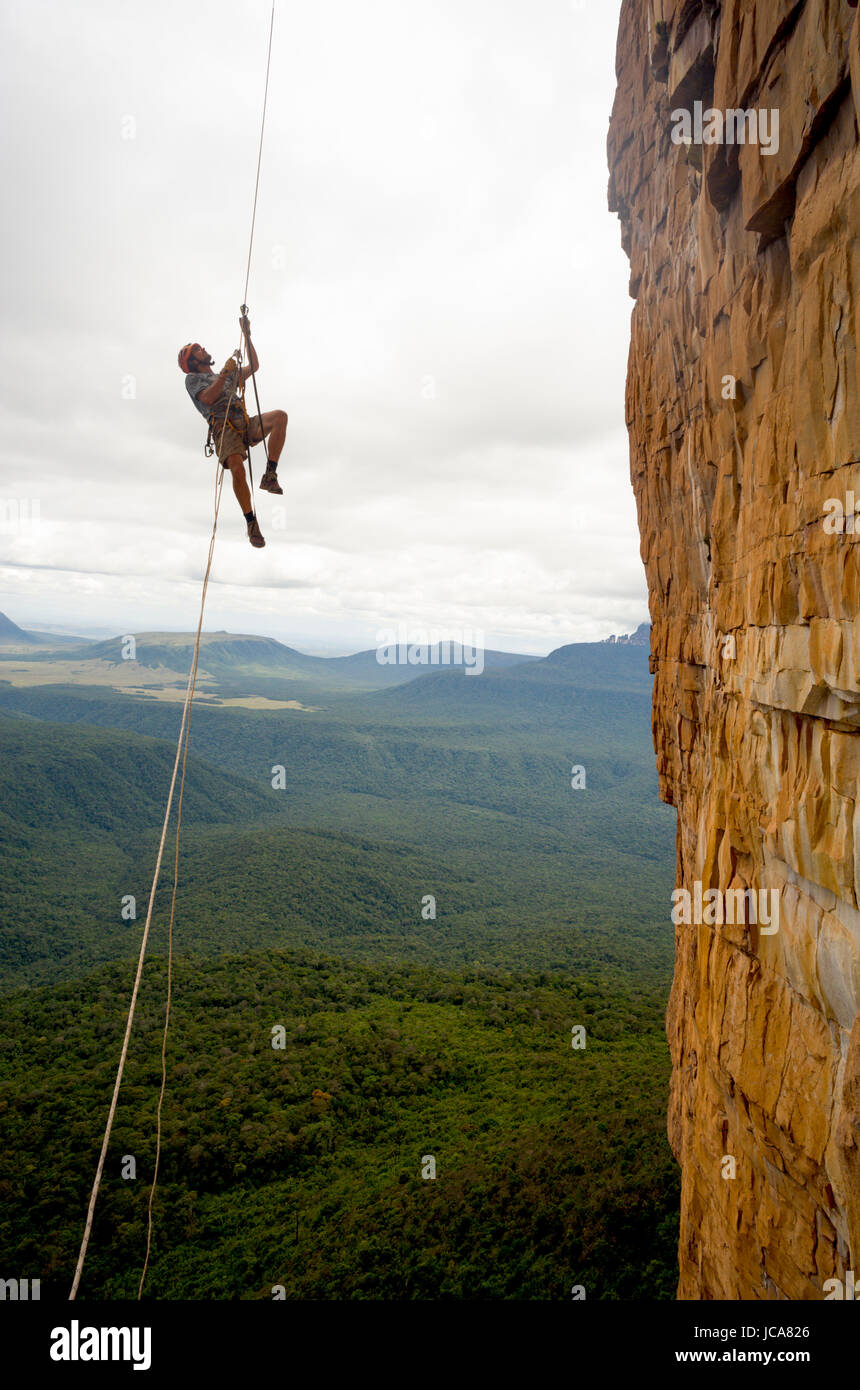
pixel 743 407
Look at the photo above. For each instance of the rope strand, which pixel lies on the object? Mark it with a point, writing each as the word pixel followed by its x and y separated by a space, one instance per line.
pixel 259 154
pixel 238 393
pixel 189 695
pixel 149 1223
pixel 181 749
pixel 251 246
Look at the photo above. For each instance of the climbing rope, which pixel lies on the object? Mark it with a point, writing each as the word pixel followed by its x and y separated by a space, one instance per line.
pixel 244 309
pixel 193 686
pixel 248 424
pixel 183 734
pixel 238 392
pixel 260 152
pixel 181 751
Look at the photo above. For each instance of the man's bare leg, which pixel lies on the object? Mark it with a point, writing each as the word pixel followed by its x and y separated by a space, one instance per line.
pixel 274 429
pixel 236 464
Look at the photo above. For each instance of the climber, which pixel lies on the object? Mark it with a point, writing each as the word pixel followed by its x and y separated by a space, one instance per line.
pixel 216 397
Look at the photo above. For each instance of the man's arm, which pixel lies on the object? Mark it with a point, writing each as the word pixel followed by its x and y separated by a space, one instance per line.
pixel 253 360
pixel 211 394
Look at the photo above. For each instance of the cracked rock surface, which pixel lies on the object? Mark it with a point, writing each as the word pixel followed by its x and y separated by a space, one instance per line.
pixel 743 410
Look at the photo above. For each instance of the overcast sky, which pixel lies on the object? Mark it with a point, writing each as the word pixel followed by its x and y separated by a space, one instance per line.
pixel 438 297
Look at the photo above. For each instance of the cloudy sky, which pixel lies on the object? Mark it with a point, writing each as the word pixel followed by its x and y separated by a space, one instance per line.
pixel 438 298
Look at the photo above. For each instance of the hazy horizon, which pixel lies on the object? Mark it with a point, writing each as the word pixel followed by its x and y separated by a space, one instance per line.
pixel 309 648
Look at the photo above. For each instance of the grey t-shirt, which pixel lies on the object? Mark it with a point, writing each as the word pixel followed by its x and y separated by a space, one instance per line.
pixel 195 382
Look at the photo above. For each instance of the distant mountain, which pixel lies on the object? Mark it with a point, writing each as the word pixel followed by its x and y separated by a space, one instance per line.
pixel 586 681
pixel 219 652
pixel 568 676
pixel 13 635
pixel 600 665
pixel 10 632
pixel 59 636
pixel 411 662
pixel 640 638
pixel 452 779
pixel 235 657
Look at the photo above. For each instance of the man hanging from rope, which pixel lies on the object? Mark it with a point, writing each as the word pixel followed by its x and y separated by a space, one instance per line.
pixel 218 399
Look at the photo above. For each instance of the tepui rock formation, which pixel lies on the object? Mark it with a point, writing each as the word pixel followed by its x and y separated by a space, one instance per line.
pixel 735 171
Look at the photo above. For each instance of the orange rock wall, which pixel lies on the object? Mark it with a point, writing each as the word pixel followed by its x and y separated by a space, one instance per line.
pixel 745 269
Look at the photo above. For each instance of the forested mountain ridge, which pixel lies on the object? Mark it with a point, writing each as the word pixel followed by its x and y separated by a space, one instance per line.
pixel 416 888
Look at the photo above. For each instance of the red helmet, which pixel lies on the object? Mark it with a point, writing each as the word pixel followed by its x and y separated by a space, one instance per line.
pixel 185 355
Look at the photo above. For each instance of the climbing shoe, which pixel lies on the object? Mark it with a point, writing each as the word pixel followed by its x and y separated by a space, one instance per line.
pixel 269 482
pixel 255 535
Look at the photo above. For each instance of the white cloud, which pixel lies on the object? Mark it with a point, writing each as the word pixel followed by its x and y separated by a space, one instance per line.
pixel 438 295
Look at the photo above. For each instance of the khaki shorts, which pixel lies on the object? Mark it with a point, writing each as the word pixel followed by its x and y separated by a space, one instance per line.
pixel 233 440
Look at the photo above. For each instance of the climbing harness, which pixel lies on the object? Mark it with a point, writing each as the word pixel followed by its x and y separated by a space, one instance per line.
pixel 243 429
pixel 181 752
